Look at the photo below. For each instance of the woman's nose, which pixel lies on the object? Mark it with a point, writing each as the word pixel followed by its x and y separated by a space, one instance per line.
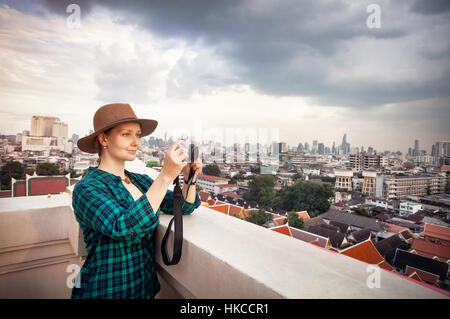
pixel 136 140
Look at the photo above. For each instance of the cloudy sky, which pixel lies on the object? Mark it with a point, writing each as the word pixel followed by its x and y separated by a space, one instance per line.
pixel 311 69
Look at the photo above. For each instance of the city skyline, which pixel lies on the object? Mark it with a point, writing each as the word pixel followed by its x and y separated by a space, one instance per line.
pixel 315 71
pixel 360 148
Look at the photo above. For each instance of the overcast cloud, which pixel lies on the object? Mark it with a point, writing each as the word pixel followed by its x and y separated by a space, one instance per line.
pixel 312 68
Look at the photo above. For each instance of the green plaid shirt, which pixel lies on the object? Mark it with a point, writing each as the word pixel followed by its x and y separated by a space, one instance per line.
pixel 118 232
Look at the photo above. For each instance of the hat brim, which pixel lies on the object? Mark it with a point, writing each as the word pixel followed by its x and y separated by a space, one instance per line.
pixel 89 144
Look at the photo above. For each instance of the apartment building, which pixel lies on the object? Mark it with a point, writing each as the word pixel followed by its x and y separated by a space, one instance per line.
pixel 343 179
pixel 209 183
pixel 372 184
pixel 399 187
pixel 362 161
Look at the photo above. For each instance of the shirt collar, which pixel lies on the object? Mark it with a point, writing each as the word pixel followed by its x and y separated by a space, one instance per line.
pixel 94 171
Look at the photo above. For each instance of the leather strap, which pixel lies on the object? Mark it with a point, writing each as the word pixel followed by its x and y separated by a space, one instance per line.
pixel 178 230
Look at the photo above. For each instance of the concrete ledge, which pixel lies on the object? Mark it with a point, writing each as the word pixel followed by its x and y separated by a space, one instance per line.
pixel 224 257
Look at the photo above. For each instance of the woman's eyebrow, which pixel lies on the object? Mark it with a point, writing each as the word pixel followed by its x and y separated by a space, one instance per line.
pixel 129 130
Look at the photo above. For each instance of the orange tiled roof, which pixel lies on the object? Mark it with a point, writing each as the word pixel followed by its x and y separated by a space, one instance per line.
pixel 204 196
pixel 279 220
pixel 211 177
pixel 437 231
pixel 395 228
pixel 275 215
pixel 423 275
pixel 303 214
pixel 234 210
pixel 232 195
pixel 385 265
pixel 415 276
pixel 364 251
pixel 282 230
pixel 220 208
pixel 429 249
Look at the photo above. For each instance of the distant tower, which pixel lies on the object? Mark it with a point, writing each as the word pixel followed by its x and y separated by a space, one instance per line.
pixel 416 148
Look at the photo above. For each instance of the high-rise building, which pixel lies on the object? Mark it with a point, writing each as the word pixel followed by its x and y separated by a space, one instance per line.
pixel 48 126
pixel 416 148
pixel 321 148
pixel 345 146
pixel 442 149
pixel 47 133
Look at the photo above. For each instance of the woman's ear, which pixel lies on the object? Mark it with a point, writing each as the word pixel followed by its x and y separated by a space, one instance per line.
pixel 101 139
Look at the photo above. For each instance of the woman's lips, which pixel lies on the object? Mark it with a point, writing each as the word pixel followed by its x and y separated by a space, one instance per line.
pixel 133 152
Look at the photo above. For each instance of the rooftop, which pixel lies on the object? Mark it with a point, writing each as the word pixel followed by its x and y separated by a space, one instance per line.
pixel 223 257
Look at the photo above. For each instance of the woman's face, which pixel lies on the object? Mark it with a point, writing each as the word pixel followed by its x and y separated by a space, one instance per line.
pixel 123 141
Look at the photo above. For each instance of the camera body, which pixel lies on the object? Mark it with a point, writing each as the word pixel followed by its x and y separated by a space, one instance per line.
pixel 192 148
pixel 193 152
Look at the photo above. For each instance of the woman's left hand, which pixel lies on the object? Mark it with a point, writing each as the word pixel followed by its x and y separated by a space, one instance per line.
pixel 196 166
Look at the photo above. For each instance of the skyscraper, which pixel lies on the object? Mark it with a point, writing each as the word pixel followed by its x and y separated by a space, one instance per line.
pixel 416 148
pixel 345 147
pixel 321 148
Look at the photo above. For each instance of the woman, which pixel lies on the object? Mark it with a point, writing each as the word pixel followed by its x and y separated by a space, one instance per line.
pixel 118 210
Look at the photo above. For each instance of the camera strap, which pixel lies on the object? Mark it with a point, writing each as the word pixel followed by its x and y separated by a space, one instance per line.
pixel 178 228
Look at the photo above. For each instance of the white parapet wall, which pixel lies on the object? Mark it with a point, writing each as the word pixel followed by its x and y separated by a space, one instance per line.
pixel 223 257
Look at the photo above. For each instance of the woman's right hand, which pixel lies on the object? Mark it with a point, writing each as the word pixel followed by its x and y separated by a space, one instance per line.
pixel 173 160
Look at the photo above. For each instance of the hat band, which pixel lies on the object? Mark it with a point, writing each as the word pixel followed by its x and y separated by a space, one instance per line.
pixel 124 119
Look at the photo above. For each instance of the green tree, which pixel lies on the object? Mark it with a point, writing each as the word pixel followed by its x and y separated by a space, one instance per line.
pixel 211 169
pixel 11 169
pixel 294 221
pixel 303 195
pixel 260 190
pixel 259 217
pixel 236 177
pixel 47 169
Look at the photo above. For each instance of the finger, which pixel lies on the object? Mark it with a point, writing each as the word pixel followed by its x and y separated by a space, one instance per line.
pixel 174 145
pixel 181 155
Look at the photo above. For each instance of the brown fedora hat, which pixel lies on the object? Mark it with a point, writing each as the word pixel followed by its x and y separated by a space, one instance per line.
pixel 108 116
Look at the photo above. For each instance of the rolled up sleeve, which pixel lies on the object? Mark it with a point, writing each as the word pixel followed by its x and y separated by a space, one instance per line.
pixel 167 202
pixel 95 207
pixel 187 208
